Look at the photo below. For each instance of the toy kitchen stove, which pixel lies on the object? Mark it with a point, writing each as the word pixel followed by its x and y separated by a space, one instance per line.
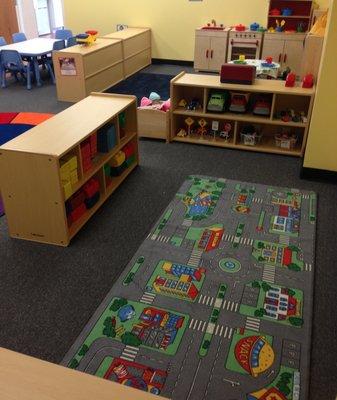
pixel 244 42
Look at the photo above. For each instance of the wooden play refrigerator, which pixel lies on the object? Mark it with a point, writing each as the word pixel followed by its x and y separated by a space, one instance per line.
pixel 32 174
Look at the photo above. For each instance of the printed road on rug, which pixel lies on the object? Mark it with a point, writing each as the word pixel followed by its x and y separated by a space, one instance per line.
pixel 217 302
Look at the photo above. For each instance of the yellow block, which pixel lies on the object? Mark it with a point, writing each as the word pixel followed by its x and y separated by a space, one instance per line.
pixel 68 190
pixel 118 159
pixel 73 177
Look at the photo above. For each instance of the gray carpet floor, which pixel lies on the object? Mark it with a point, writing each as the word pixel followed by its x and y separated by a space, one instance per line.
pixel 47 294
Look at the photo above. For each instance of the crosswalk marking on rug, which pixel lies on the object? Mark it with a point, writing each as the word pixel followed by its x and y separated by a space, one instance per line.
pixel 195 258
pixel 129 353
pixel 230 305
pixel 223 331
pixel 253 324
pixel 284 240
pixel 257 200
pixel 206 300
pixel 269 273
pixel 236 239
pixel 306 196
pixel 187 222
pixel 307 267
pixel 197 324
pixel 160 238
pixel 148 298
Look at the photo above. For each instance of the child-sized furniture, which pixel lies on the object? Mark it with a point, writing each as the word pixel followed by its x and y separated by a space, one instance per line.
pixel 210 50
pixel 287 107
pixel 286 49
pixel 80 70
pixel 136 44
pixel 154 124
pixel 31 168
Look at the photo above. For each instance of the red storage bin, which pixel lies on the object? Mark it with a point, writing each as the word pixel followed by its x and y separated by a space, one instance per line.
pixel 93 145
pixel 91 187
pixel 77 199
pixel 78 212
pixel 129 150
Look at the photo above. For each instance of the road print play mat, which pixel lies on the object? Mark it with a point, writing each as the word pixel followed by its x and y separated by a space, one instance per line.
pixel 217 301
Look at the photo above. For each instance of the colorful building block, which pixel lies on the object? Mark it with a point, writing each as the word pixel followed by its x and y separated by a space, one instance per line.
pixel 91 187
pixel 91 201
pixel 118 159
pixel 128 149
pixel 77 213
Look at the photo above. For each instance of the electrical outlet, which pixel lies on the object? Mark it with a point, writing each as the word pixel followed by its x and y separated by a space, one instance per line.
pixel 121 27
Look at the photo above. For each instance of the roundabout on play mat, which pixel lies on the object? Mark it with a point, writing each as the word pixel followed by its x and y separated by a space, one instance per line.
pixel 230 265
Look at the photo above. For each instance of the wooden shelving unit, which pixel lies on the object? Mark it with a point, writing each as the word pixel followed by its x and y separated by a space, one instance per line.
pixel 136 46
pixel 190 86
pixel 301 14
pixel 30 167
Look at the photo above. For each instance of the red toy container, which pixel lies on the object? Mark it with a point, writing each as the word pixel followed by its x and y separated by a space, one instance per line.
pixel 129 150
pixel 290 81
pixel 76 199
pixel 240 28
pixel 78 212
pixel 93 145
pixel 91 187
pixel 308 81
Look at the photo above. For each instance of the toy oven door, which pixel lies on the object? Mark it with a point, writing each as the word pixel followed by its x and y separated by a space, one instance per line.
pixel 250 48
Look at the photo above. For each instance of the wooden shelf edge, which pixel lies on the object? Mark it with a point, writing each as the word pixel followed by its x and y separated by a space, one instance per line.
pixel 240 118
pixel 76 226
pixel 263 148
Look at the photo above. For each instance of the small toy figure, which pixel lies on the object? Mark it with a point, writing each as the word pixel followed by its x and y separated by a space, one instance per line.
pixel 290 81
pixel 308 81
pixel 202 130
pixel 215 129
pixel 182 133
pixel 225 134
pixel 189 122
pixel 182 103
pixel 193 105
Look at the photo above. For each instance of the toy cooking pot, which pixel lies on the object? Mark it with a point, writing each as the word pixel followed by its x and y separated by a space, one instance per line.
pixel 287 12
pixel 240 28
pixel 275 11
pixel 254 26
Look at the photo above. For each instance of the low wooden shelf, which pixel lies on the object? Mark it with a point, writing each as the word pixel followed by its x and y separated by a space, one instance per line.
pixel 30 167
pixel 190 86
pixel 96 68
pixel 136 44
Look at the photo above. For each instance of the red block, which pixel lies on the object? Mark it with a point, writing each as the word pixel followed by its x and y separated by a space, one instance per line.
pixel 93 144
pixel 77 199
pixel 129 150
pixel 91 187
pixel 85 149
pixel 78 212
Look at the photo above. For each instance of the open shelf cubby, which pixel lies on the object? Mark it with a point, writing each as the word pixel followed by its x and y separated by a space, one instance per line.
pixel 283 112
pixel 62 179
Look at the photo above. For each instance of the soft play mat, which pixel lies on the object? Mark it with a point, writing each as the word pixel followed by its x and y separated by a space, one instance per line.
pixel 217 301
pixel 13 125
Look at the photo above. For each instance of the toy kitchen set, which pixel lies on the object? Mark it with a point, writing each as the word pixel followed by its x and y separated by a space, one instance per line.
pixel 282 39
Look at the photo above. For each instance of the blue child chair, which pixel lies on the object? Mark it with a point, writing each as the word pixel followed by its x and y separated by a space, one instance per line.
pixel 12 62
pixel 18 37
pixel 63 34
pixel 72 41
pixel 48 61
pixel 2 41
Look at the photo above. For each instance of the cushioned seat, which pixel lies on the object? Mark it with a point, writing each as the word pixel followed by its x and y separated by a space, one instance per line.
pixel 30 118
pixel 6 118
pixel 11 131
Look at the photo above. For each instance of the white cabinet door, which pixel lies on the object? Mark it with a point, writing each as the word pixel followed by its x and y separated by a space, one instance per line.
pixel 293 55
pixel 202 52
pixel 218 53
pixel 273 48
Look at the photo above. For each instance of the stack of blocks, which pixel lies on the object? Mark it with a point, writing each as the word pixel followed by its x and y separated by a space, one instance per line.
pixel 88 151
pixel 122 124
pixel 82 200
pixel 106 138
pixel 68 174
pixel 121 161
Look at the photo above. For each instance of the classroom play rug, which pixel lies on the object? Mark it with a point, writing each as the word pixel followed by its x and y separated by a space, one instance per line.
pixel 217 301
pixel 142 84
pixel 13 124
